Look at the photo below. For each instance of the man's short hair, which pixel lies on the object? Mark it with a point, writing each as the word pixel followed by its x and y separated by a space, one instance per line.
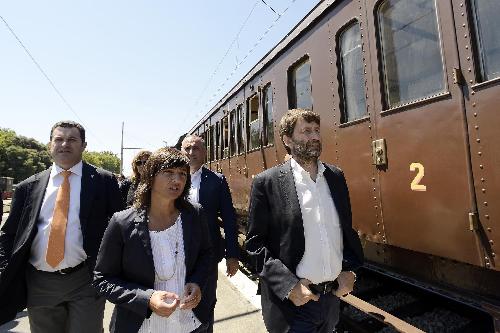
pixel 195 136
pixel 69 124
pixel 289 119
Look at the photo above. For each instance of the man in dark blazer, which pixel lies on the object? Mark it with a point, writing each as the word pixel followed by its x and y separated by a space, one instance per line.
pixel 57 293
pixel 210 189
pixel 300 238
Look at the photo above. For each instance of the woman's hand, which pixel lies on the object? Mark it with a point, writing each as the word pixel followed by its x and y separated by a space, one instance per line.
pixel 192 296
pixel 163 303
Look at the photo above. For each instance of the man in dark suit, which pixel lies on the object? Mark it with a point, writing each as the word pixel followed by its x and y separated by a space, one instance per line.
pixel 300 238
pixel 211 190
pixel 49 243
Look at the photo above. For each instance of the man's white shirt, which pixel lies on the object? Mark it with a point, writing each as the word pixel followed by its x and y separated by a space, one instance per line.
pixel 74 253
pixel 322 259
pixel 194 190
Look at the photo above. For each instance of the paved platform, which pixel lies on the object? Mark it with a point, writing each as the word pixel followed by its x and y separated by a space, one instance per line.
pixel 237 310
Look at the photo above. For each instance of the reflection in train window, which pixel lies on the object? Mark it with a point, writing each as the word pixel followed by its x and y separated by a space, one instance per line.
pixel 225 137
pixel 232 141
pixel 217 140
pixel 210 143
pixel 239 135
pixel 299 85
pixel 411 52
pixel 267 99
pixel 486 14
pixel 353 102
pixel 253 122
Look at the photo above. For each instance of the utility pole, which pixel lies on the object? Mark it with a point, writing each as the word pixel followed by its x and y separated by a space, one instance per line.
pixel 122 148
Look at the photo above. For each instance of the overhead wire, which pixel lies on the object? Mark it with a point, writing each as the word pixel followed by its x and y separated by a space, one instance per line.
pixel 252 49
pixel 65 101
pixel 216 70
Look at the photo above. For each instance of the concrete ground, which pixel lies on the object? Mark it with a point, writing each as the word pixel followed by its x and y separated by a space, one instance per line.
pixel 237 309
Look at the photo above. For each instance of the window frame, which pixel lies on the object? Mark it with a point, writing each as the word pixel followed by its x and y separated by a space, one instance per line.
pixel 291 82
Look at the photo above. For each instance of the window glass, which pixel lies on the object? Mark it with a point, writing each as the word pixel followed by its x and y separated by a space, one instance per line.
pixel 240 127
pixel 299 86
pixel 253 122
pixel 211 148
pixel 353 79
pixel 225 137
pixel 232 140
pixel 268 115
pixel 217 140
pixel 411 51
pixel 487 25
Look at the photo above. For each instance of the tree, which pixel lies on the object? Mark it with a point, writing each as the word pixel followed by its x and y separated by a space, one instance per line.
pixel 21 157
pixel 106 160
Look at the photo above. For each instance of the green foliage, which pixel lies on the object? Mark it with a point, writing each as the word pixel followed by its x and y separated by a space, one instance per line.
pixel 106 160
pixel 21 157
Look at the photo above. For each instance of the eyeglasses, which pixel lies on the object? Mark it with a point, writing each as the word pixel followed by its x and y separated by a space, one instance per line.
pixel 139 162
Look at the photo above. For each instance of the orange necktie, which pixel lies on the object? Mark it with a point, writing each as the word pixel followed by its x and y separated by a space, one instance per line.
pixel 55 247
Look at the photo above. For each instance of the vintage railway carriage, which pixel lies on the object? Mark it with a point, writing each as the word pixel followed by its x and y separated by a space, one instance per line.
pixel 409 94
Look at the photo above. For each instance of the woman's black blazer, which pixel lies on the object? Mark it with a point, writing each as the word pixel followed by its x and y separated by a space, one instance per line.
pixel 125 273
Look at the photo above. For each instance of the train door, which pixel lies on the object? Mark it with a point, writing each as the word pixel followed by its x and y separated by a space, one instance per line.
pixel 421 147
pixel 353 117
pixel 477 26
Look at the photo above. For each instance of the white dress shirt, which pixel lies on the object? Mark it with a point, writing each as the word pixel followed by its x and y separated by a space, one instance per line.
pixel 73 243
pixel 323 253
pixel 194 190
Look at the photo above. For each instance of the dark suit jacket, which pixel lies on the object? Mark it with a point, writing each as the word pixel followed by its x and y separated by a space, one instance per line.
pixel 216 200
pixel 275 239
pixel 125 271
pixel 99 199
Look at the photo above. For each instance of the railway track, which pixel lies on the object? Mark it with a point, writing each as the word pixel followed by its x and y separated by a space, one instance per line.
pixel 424 310
pixel 385 304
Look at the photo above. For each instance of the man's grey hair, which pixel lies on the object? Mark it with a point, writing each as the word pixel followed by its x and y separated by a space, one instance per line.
pixel 195 137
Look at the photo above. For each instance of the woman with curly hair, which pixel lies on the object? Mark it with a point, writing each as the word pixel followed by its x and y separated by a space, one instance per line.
pixel 154 256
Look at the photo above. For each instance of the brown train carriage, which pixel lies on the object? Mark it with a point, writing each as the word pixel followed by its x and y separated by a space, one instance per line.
pixel 408 92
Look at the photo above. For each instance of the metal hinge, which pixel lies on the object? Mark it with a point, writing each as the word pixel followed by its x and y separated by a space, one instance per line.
pixel 473 221
pixel 458 77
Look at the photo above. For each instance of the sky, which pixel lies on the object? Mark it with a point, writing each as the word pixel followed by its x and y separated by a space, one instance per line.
pixel 157 66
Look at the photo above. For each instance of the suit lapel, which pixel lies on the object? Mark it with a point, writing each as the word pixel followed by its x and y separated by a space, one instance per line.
pixel 141 225
pixel 288 190
pixel 187 217
pixel 89 176
pixel 202 194
pixel 38 188
pixel 333 186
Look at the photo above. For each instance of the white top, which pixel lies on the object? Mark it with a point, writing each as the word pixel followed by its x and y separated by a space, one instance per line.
pixel 170 275
pixel 73 243
pixel 194 190
pixel 322 259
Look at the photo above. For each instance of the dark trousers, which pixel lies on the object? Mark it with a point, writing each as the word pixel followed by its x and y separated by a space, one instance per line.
pixel 211 291
pixel 63 303
pixel 316 317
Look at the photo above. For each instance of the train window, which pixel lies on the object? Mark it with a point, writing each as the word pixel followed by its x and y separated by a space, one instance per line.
pixel 411 52
pixel 353 103
pixel 267 100
pixel 225 137
pixel 240 127
pixel 217 140
pixel 253 122
pixel 210 144
pixel 232 131
pixel 299 85
pixel 485 14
